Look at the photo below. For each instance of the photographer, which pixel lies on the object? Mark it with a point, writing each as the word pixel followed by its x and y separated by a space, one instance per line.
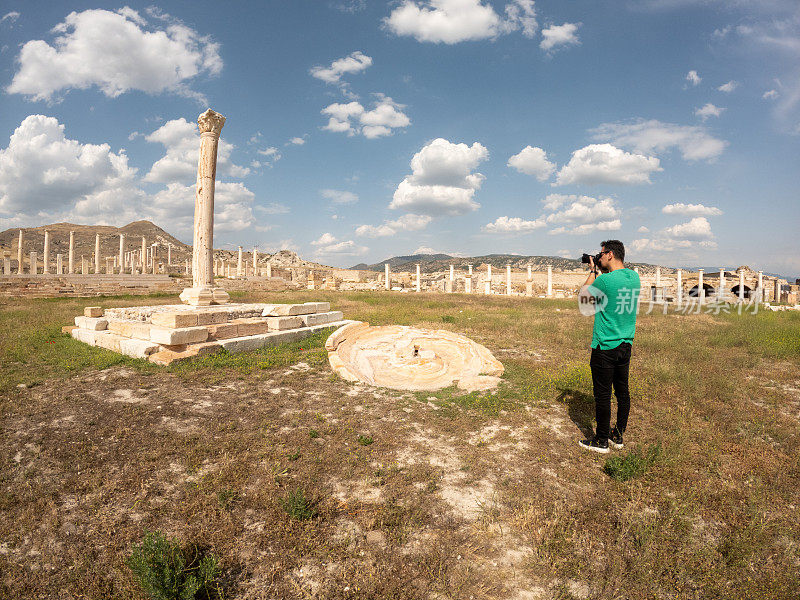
pixel 614 294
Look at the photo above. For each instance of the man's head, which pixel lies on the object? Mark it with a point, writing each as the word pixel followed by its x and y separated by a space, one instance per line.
pixel 612 255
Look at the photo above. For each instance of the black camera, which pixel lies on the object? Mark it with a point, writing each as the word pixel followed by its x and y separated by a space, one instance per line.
pixel 585 258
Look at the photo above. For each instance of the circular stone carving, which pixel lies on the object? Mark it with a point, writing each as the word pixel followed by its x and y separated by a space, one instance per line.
pixel 407 358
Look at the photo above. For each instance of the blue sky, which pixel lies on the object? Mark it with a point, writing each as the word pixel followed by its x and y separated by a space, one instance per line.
pixel 358 130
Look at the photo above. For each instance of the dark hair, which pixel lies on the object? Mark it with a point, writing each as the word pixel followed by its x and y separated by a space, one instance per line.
pixel 617 247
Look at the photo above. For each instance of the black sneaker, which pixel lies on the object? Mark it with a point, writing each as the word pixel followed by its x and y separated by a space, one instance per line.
pixel 615 439
pixel 594 445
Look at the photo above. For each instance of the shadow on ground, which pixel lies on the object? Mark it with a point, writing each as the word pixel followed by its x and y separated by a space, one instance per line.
pixel 580 407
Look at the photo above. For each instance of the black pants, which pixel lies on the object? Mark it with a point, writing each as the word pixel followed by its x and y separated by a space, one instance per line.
pixel 610 367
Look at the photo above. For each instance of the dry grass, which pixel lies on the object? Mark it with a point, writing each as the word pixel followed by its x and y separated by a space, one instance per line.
pixel 477 496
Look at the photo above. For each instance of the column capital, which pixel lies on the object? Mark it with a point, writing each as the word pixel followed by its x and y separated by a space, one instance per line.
pixel 210 122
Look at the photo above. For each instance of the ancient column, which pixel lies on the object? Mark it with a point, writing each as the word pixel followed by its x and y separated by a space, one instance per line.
pixel 34 267
pixel 701 291
pixel 549 281
pixel 741 285
pixel 59 264
pixel 169 255
pixel 186 266
pixel 255 262
pixel 269 269
pixel 203 292
pixel 239 271
pixel 46 257
pixel 71 255
pixel 97 253
pixel 659 295
pixel 109 265
pixel 468 281
pixel 529 283
pixel 488 284
pixel 508 280
pixel 452 280
pixel 19 254
pixel 760 293
pixel 777 291
pixel 679 291
pixel 84 265
pixel 6 262
pixel 387 283
pixel 419 284
pixel 143 258
pixel 121 253
pixel 721 289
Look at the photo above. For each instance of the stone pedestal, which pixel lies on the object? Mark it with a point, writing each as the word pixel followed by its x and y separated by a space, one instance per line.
pixel 203 292
pixel 46 254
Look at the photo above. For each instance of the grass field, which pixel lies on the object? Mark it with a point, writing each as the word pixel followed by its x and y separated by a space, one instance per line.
pixel 302 485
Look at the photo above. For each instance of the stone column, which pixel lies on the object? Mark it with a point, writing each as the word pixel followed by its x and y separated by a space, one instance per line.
pixel 529 283
pixel 97 253
pixel 169 255
pixel 71 255
pixel 488 284
pixel 143 257
pixel 19 254
pixel 760 293
pixel 269 270
pixel 741 286
pixel 419 283
pixel 721 288
pixel 255 262
pixel 508 280
pixel 109 265
pixel 6 262
pixel 387 281
pixel 549 281
pixel 121 253
pixel 59 264
pixel 679 291
pixel 46 257
pixel 34 267
pixel 186 266
pixel 239 271
pixel 701 291
pixel 468 281
pixel 777 291
pixel 452 280
pixel 203 292
pixel 84 265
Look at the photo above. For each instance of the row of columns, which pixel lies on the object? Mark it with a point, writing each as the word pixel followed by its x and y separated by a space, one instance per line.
pixel 450 285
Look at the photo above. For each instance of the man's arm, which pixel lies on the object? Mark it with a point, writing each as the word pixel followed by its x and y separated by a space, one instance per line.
pixel 592 273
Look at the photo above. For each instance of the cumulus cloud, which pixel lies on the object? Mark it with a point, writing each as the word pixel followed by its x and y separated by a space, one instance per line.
pixel 45 174
pixel 708 110
pixel 770 95
pixel 653 136
pixel 605 163
pixel 695 233
pixel 353 63
pixel 10 17
pixel 581 214
pixel 345 248
pixel 271 154
pixel 454 21
pixel 557 36
pixel 690 209
pixel 324 240
pixel 532 161
pixel 513 225
pixel 352 118
pixel 339 196
pixel 442 181
pixel 728 87
pixel 409 222
pixel 298 141
pixel 693 78
pixel 697 229
pixel 181 139
pixel 140 58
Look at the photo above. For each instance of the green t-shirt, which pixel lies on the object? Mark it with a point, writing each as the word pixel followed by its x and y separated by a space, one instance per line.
pixel 616 323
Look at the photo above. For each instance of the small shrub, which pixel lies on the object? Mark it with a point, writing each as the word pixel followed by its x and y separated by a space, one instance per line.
pixel 633 464
pixel 225 498
pixel 294 455
pixel 448 319
pixel 313 433
pixel 298 506
pixel 166 572
pixel 365 440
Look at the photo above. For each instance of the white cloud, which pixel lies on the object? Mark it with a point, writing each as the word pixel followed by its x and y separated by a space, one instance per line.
pixel 643 229
pixel 273 208
pixel 339 196
pixel 513 225
pixel 409 222
pixel 581 214
pixel 697 229
pixel 532 161
pixel 429 250
pixel 708 110
pixel 695 233
pixel 693 78
pixel 454 21
pixel 442 181
pixel 653 136
pixel 47 175
pixel 345 248
pixel 559 35
pixel 728 87
pixel 324 240
pixel 352 118
pixel 298 141
pixel 10 17
pixel 604 163
pixel 353 63
pixel 82 56
pixel 690 209
pixel 272 155
pixel 181 140
pixel 770 95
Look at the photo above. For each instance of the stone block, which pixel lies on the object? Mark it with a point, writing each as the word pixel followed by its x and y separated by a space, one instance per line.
pixel 318 307
pixel 174 320
pixel 84 335
pixel 213 317
pixel 185 335
pixel 281 323
pixel 67 329
pixel 286 310
pixel 91 323
pixel 322 318
pixel 167 357
pixel 254 342
pixel 107 340
pixel 131 329
pixel 223 331
pixel 137 348
pixel 93 311
pixel 252 326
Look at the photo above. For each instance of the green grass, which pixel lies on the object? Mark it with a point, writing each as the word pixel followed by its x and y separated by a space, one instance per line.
pixel 297 506
pixel 633 464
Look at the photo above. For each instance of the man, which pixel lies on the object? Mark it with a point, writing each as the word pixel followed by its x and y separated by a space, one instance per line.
pixel 616 293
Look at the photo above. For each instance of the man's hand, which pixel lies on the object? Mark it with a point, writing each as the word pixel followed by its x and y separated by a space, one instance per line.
pixel 592 273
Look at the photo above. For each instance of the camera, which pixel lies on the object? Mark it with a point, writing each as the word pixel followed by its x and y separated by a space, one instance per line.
pixel 585 258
